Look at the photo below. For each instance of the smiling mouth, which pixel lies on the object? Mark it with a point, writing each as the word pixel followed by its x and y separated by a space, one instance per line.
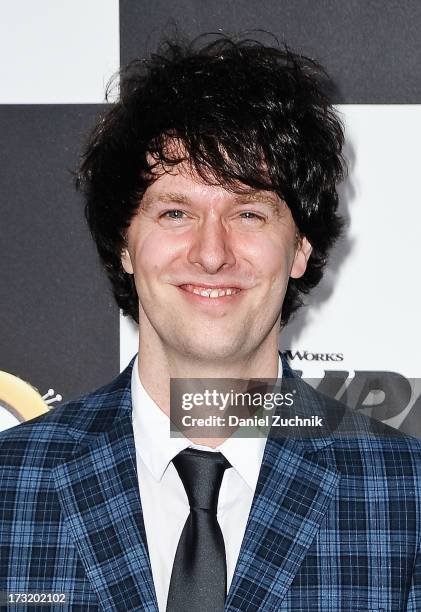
pixel 211 292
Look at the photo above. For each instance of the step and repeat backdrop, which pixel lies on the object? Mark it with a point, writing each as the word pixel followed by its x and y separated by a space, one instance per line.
pixel 61 333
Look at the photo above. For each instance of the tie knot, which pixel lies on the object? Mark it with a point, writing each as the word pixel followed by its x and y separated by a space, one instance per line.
pixel 201 473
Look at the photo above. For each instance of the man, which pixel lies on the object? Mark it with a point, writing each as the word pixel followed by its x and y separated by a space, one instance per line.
pixel 211 194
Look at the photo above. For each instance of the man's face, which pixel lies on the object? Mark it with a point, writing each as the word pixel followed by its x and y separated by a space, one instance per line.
pixel 190 239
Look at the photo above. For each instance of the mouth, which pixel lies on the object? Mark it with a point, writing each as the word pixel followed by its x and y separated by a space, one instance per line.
pixel 210 292
pixel 210 295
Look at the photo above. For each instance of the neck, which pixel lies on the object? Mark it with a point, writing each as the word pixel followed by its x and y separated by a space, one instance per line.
pixel 158 363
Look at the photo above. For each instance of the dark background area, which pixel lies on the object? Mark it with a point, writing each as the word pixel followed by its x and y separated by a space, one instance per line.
pixel 372 49
pixel 59 324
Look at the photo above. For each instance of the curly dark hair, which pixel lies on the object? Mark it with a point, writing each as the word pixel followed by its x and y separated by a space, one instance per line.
pixel 245 113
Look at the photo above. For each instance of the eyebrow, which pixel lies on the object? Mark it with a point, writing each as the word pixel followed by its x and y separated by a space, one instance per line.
pixel 272 200
pixel 170 197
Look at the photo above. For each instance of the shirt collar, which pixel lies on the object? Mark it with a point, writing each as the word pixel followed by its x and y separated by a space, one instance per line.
pixel 157 448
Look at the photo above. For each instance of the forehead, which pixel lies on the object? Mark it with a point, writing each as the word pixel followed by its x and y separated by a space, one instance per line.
pixel 181 184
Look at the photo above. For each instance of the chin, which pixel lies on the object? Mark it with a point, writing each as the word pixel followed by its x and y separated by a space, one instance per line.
pixel 215 352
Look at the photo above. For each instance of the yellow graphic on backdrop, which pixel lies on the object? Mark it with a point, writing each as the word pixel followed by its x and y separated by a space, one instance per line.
pixel 19 398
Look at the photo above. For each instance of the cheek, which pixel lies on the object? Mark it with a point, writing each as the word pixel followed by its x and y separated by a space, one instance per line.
pixel 270 258
pixel 154 252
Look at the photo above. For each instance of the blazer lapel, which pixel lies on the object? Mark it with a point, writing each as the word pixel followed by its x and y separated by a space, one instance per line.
pixel 99 495
pixel 295 486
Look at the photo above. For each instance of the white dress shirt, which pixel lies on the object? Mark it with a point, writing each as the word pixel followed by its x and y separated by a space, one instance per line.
pixel 163 497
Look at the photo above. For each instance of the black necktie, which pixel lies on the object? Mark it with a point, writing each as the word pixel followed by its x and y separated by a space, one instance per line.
pixel 199 574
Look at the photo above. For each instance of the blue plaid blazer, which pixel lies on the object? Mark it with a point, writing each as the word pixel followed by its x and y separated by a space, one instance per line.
pixel 334 525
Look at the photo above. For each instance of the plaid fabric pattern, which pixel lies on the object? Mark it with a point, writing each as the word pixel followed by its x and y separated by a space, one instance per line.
pixel 335 523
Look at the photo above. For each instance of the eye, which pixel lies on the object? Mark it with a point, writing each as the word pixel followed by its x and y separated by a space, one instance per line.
pixel 252 216
pixel 176 212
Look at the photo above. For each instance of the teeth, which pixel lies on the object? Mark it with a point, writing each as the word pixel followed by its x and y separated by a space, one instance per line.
pixel 212 293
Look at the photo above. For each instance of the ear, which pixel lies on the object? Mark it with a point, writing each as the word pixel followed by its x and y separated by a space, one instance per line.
pixel 302 254
pixel 126 261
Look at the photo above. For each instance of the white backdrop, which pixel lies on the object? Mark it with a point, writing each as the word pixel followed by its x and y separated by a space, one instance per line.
pixel 60 52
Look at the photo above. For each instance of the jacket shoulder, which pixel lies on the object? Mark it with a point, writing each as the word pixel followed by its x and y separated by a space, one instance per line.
pixel 354 432
pixel 367 445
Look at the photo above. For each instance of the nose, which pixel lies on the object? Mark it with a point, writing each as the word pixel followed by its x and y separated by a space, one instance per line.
pixel 211 246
